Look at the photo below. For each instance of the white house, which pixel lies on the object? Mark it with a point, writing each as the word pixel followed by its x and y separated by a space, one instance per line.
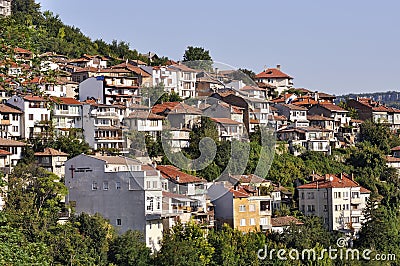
pixel 52 160
pixel 275 77
pixel 66 115
pixel 338 199
pixel 10 122
pixel 229 129
pixel 36 115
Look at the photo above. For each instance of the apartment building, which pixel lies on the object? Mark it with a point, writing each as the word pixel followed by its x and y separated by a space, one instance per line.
pixel 52 160
pixel 338 199
pixel 123 190
pixel 66 115
pixel 275 77
pixel 245 209
pixel 5 8
pixel 35 120
pixel 102 125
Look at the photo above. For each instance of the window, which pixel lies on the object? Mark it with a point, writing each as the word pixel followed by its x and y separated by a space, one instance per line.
pixel 30 116
pixel 242 222
pixel 155 184
pixel 302 208
pixel 148 184
pixel 252 207
pixel 15 128
pixel 311 208
pixel 345 194
pixel 150 203
pixel 252 221
pixel 158 203
pixel 105 185
pixel 310 195
pixel 302 195
pixel 325 195
pixel 94 185
pixel 15 117
pixel 355 219
pixel 265 206
pixel 337 195
pixel 325 208
pixel 242 208
pixel 119 222
pixel 117 185
pixel 355 195
pixel 263 221
pixel 326 220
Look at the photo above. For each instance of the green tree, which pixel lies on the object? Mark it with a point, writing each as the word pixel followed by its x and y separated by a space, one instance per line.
pixel 198 58
pixel 185 245
pixel 129 249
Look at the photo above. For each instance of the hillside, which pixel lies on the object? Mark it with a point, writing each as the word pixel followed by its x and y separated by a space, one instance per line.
pixel 390 98
pixel 41 32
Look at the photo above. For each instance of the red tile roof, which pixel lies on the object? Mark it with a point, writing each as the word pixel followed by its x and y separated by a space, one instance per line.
pixel 225 121
pixel 272 73
pixel 330 181
pixel 145 115
pixel 51 152
pixel 66 100
pixel 11 143
pixel 285 221
pixel 176 108
pixel 18 50
pixel 137 70
pixel 9 110
pixel 173 173
pixel 318 118
pixel 239 192
pixel 4 153
pixel 392 159
pixel 294 107
pixel 332 107
pixel 34 98
pixel 397 148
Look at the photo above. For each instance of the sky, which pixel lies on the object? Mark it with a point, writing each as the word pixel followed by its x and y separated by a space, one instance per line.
pixel 337 46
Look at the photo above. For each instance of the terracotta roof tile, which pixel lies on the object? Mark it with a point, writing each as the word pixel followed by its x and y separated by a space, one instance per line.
pixel 145 115
pixel 66 100
pixel 285 221
pixel 225 121
pixel 330 181
pixel 272 73
pixel 332 107
pixel 173 173
pixel 239 192
pixel 9 110
pixel 11 143
pixel 51 152
pixel 176 108
pixel 4 153
pixel 318 118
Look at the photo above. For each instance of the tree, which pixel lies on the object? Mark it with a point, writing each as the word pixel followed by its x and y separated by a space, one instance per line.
pixel 198 58
pixel 129 249
pixel 185 245
pixel 33 201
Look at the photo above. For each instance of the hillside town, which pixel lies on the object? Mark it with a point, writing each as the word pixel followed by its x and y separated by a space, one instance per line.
pixel 135 117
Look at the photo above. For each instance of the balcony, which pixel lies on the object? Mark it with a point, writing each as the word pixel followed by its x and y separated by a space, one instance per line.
pixel 66 113
pixel 356 212
pixel 5 122
pixel 106 114
pixel 355 200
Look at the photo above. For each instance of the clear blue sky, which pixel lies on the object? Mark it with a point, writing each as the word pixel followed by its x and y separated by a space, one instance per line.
pixel 333 46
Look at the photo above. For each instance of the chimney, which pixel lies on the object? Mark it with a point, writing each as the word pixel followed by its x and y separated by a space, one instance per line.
pixel 341 176
pixel 316 96
pixel 278 66
pixel 352 176
pixel 177 178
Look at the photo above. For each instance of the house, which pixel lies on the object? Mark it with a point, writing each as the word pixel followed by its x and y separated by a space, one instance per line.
pixel 5 170
pixel 307 138
pixel 295 114
pixel 5 8
pixel 52 160
pixel 15 149
pixel 275 77
pixel 10 122
pixel 245 210
pixel 338 199
pixel 195 205
pixel 179 114
pixel 220 109
pixel 321 121
pixel 337 113
pixel 280 224
pixel 229 129
pixel 144 121
pixel 144 79
pixel 123 190
pixel 393 160
pixel 176 78
pixel 110 90
pixel 178 138
pixel 66 115
pixel 86 60
pixel 57 88
pixel 102 125
pixel 36 115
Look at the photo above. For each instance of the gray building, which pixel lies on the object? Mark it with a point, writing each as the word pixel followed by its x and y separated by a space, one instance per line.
pixel 123 190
